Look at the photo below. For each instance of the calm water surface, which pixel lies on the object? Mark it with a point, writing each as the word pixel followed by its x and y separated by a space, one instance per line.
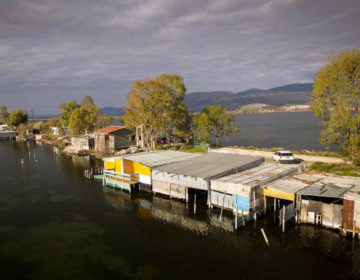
pixel 57 225
pixel 295 130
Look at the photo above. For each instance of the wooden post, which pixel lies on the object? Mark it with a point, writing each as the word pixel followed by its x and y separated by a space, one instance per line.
pixel 283 219
pixel 195 204
pixel 265 203
pixel 236 214
pixel 264 235
pixel 242 216
pixel 354 228
pixel 274 204
pixel 222 208
pixel 254 206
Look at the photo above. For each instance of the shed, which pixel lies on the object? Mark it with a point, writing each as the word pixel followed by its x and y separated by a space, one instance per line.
pixel 110 138
pixel 184 178
pixel 243 191
pixel 322 201
pixel 84 142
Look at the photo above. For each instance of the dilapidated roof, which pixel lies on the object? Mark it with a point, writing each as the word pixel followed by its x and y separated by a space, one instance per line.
pixel 321 189
pixel 262 174
pixel 110 129
pixel 212 165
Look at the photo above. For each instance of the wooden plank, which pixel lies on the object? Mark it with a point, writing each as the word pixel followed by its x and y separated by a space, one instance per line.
pixel 278 194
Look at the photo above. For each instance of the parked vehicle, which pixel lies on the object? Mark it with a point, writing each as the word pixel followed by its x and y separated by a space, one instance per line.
pixel 283 156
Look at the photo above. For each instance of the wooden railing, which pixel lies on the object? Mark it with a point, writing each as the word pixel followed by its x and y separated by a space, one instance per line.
pixel 122 177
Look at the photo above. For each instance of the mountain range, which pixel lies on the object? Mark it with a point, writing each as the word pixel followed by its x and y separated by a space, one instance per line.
pixel 278 96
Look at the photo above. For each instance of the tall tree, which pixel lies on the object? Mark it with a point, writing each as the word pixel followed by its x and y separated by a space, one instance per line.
pixel 336 102
pixel 3 114
pixel 179 119
pixel 148 106
pixel 83 118
pixel 201 127
pixel 216 120
pixel 157 106
pixel 66 111
pixel 17 117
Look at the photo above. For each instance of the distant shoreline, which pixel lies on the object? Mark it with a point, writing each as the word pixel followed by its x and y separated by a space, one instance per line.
pixel 265 108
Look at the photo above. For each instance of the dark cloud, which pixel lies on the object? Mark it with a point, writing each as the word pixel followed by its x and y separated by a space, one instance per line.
pixel 52 51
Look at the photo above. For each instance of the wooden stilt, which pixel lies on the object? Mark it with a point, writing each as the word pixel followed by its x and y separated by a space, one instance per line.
pixel 195 204
pixel 283 218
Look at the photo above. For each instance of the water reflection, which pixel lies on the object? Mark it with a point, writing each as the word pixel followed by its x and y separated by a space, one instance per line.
pixel 167 210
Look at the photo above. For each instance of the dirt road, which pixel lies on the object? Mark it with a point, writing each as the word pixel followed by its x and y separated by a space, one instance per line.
pixel 269 155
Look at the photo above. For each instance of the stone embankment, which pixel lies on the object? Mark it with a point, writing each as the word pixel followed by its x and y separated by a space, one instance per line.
pixel 265 154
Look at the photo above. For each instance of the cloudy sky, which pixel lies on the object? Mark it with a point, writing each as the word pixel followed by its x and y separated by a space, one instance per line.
pixel 54 51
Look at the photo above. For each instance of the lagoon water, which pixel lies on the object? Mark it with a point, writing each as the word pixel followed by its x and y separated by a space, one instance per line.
pixel 290 130
pixel 55 224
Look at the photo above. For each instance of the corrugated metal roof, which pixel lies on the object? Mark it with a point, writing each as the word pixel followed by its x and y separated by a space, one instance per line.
pixel 261 174
pixel 320 189
pixel 288 185
pixel 211 165
pixel 110 129
pixel 315 184
pixel 157 158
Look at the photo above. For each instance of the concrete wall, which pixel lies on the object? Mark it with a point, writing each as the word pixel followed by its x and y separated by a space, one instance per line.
pixel 187 181
pixel 172 190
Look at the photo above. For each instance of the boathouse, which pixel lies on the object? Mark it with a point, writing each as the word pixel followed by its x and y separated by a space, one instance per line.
pixel 322 202
pixel 243 191
pixel 186 178
pixel 139 166
pixel 110 138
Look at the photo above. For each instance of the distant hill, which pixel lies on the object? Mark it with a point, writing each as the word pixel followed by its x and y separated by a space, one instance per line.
pixel 112 111
pixel 287 94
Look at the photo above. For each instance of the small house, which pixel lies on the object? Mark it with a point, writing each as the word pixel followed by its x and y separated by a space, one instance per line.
pixel 83 142
pixel 110 138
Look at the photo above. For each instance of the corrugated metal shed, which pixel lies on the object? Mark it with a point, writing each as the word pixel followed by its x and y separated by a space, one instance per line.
pixel 211 165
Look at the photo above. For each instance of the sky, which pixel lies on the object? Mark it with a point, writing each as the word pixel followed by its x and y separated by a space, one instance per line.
pixel 60 50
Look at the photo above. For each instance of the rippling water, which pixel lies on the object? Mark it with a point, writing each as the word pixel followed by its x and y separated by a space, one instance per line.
pixel 57 225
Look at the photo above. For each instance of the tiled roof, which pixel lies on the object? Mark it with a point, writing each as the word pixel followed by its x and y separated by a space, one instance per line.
pixel 110 129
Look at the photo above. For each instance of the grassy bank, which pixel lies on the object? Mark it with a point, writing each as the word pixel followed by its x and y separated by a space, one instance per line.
pixel 341 169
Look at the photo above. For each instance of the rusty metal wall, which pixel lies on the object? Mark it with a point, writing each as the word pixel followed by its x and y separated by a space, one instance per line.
pixel 348 214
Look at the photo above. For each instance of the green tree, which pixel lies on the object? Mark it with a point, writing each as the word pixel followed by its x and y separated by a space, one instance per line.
pixel 157 106
pixel 336 102
pixel 3 114
pixel 83 118
pixel 215 120
pixel 66 110
pixel 17 117
pixel 201 127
